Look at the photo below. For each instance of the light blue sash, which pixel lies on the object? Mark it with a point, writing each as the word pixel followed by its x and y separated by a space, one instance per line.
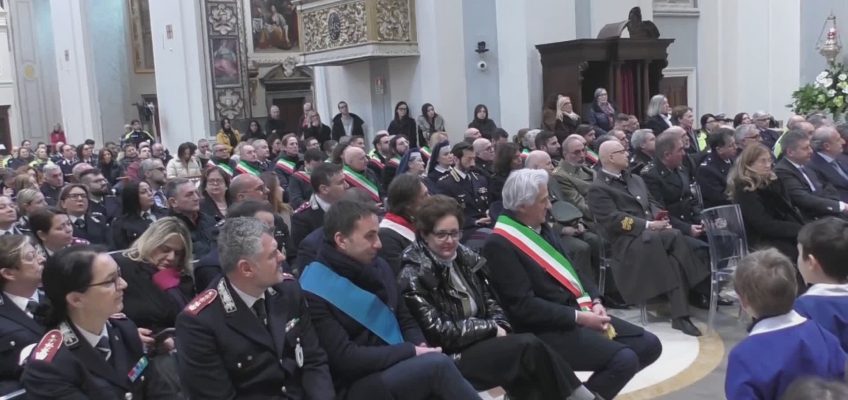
pixel 361 305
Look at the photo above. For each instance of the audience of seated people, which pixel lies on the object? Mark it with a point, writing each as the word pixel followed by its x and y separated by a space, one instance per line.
pixel 451 275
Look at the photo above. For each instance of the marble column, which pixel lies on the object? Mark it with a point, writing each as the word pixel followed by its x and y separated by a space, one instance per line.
pixel 181 70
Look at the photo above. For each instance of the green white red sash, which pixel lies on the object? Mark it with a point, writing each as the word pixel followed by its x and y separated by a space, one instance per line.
pixel 540 251
pixel 394 162
pixel 246 168
pixel 426 151
pixel 525 153
pixel 373 160
pixel 354 178
pixel 286 166
pixel 303 176
pixel 224 166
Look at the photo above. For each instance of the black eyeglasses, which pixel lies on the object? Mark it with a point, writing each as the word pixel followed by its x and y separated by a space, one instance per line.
pixel 443 235
pixel 112 281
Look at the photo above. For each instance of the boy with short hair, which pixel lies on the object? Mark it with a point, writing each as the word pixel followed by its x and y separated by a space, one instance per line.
pixel 782 345
pixel 823 262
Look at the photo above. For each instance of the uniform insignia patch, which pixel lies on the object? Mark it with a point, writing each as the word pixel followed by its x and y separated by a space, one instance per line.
pixel 627 224
pixel 303 207
pixel 48 346
pixel 226 297
pixel 201 301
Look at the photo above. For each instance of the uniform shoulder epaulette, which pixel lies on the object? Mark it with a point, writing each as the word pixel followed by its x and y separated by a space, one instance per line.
pixel 48 346
pixel 196 305
pixel 455 175
pixel 303 207
pixel 119 315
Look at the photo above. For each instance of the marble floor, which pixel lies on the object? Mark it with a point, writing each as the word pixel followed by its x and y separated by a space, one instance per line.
pixel 690 368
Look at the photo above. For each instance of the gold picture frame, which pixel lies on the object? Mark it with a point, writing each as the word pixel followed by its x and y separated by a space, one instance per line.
pixel 142 36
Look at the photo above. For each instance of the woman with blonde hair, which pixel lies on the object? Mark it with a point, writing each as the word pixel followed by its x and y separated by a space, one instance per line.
pixel 770 217
pixel 28 200
pixel 567 120
pixel 158 271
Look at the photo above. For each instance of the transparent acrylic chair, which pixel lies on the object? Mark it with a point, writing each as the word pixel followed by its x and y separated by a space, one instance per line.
pixel 728 244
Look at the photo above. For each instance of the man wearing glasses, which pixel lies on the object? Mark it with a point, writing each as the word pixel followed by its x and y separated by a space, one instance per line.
pixel 484 153
pixel 762 120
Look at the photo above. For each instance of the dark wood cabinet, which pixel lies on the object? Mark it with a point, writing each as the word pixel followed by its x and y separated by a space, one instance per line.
pixel 630 69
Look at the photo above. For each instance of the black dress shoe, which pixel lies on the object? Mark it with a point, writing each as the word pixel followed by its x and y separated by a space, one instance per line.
pixel 686 326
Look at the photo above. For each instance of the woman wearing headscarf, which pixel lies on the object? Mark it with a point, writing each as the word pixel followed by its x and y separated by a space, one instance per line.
pixel 482 122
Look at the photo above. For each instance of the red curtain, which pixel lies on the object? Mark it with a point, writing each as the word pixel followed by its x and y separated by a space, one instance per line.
pixel 627 88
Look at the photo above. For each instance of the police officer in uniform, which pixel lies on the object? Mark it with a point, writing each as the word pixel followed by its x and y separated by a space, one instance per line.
pixel 712 174
pixel 328 185
pixel 659 262
pixel 92 351
pixel 271 349
pixel 468 187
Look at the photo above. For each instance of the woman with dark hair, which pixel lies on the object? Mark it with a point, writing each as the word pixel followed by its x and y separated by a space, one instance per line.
pixel 254 131
pixel 482 122
pixel 440 163
pixel 214 185
pixel 507 159
pixel 137 213
pixel 601 114
pixel 289 161
pixel 108 164
pixel 91 351
pixel 185 164
pixel 73 199
pixel 429 122
pixel 741 119
pixel 228 136
pixel 445 288
pixel 397 229
pixel 403 124
pixel 20 278
pixel 52 231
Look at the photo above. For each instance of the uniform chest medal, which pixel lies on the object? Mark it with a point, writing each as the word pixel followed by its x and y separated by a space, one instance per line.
pixel 139 367
pixel 298 354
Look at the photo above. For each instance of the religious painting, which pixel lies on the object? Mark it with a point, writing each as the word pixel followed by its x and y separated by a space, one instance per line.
pixel 142 40
pixel 225 61
pixel 274 25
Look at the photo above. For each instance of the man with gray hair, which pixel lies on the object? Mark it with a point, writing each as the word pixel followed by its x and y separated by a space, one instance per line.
pixel 643 142
pixel 813 197
pixel 828 148
pixel 152 171
pixel 54 180
pixel 542 293
pixel 762 120
pixel 260 313
pixel 658 259
pixel 484 157
pixel 747 135
pixel 184 202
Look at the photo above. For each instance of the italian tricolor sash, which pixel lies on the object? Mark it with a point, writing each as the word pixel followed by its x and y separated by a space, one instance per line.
pixel 591 155
pixel 376 162
pixel 225 167
pixel 246 168
pixel 303 176
pixel 525 153
pixel 286 166
pixel 394 162
pixel 552 261
pixel 354 178
pixel 426 151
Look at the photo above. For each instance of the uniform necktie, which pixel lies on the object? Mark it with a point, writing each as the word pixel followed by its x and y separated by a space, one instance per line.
pixel 80 223
pixel 103 347
pixel 31 305
pixel 261 313
pixel 146 215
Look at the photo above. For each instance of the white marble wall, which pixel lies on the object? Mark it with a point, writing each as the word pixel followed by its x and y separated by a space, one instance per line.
pixel 7 79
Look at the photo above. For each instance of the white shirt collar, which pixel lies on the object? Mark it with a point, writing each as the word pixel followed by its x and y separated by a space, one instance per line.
pixel 441 169
pixel 91 338
pixel 246 298
pixel 618 175
pixel 461 174
pixel 827 289
pixel 21 302
pixel 321 203
pixel 826 157
pixel 794 164
pixel 787 320
pixel 74 219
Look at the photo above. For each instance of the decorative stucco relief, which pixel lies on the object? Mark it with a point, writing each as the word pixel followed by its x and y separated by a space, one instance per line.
pixel 336 26
pixel 393 20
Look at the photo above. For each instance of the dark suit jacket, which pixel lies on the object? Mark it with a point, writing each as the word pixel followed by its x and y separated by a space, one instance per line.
pixel 145 303
pixel 305 220
pixel 127 228
pixel 671 190
pixel 827 174
pixel 78 371
pixel 822 202
pixel 712 176
pixel 770 218
pixel 353 351
pixel 225 352
pixel 95 230
pixel 656 124
pixel 17 330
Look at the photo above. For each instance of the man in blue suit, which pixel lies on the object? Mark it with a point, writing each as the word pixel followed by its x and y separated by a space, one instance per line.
pixel 827 146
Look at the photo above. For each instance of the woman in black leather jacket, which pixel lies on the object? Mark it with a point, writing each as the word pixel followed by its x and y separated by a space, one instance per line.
pixel 445 289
